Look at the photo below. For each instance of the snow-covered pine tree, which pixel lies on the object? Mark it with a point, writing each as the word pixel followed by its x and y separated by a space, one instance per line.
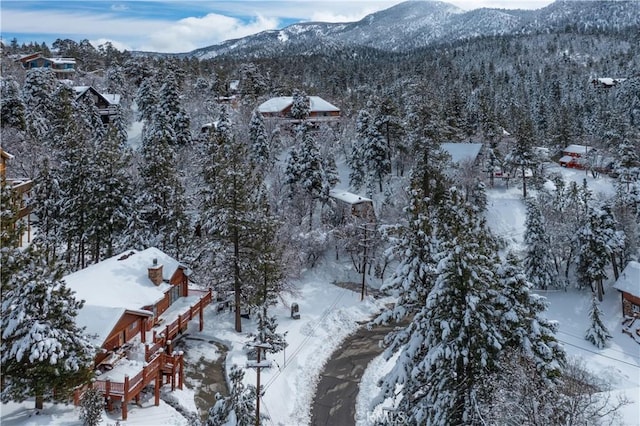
pixel 112 191
pixel 230 211
pixel 253 83
pixel 10 228
pixel 75 131
pixel 415 245
pixel 11 105
pixel 147 99
pixel 374 150
pixel 538 260
pixel 525 327
pixel 91 407
pixel 38 94
pixel 238 408
pixel 44 353
pixel 389 125
pixel 300 105
pixel 160 199
pixel 261 149
pixel 521 156
pixel 46 197
pixel 269 281
pixel 597 333
pixel 455 338
pixel 305 173
pixel 596 240
pixel 174 113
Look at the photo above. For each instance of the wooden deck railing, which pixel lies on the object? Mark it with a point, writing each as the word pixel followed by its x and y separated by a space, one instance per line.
pixel 181 323
pixel 131 387
pixel 158 363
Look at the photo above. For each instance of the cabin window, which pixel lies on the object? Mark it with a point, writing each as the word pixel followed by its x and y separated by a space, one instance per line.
pixel 635 309
pixel 174 294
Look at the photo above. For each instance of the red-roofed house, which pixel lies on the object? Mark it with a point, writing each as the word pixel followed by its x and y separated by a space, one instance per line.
pixel 64 68
pixel 573 156
pixel 136 303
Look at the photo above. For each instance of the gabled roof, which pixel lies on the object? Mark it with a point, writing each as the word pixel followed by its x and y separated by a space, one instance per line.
pixel 577 149
pixel 111 99
pixel 122 281
pixel 281 103
pixel 117 286
pixel 348 197
pixel 462 151
pixel 629 280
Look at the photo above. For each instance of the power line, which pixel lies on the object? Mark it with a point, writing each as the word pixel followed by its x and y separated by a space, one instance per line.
pixel 306 339
pixel 610 349
pixel 598 353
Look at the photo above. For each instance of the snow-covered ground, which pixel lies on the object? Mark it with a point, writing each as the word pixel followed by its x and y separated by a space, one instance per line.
pixel 329 313
pixel 619 364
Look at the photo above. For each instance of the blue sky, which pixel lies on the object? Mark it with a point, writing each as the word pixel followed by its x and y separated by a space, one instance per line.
pixel 182 26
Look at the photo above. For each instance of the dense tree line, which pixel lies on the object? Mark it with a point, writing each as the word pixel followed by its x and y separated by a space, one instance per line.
pixel 246 204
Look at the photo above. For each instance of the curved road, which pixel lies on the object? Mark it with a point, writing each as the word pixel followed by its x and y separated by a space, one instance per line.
pixel 335 399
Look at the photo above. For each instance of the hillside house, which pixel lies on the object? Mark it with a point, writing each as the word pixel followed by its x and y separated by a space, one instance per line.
pixel 574 156
pixel 136 304
pixel 106 103
pixel 20 189
pixel 463 152
pixel 628 284
pixel 352 205
pixel 279 108
pixel 64 68
pixel 606 82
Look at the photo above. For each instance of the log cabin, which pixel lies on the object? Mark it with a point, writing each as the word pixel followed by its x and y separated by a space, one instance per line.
pixel 136 304
pixel 628 283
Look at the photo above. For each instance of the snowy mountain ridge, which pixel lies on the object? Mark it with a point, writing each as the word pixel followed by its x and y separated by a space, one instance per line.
pixel 420 23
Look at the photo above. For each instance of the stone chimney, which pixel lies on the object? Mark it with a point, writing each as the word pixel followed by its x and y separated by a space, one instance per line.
pixel 155 272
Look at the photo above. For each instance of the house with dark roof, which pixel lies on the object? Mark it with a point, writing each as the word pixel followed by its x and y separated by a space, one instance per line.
pixel 106 103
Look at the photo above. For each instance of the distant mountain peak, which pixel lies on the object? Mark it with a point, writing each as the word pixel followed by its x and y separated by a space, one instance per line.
pixel 419 23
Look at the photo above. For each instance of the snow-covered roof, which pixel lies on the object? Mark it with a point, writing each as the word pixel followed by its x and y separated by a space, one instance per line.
pixel 608 81
pixel 122 281
pixel 460 152
pixel 348 197
pixel 629 280
pixel 280 103
pixel 112 98
pixel 98 321
pixel 116 285
pixel 62 60
pixel 577 149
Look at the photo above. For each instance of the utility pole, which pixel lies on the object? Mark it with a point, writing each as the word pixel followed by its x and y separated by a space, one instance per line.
pixel 364 245
pixel 258 364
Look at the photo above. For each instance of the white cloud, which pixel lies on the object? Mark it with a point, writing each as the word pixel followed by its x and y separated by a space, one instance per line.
pixel 191 33
pixel 184 35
